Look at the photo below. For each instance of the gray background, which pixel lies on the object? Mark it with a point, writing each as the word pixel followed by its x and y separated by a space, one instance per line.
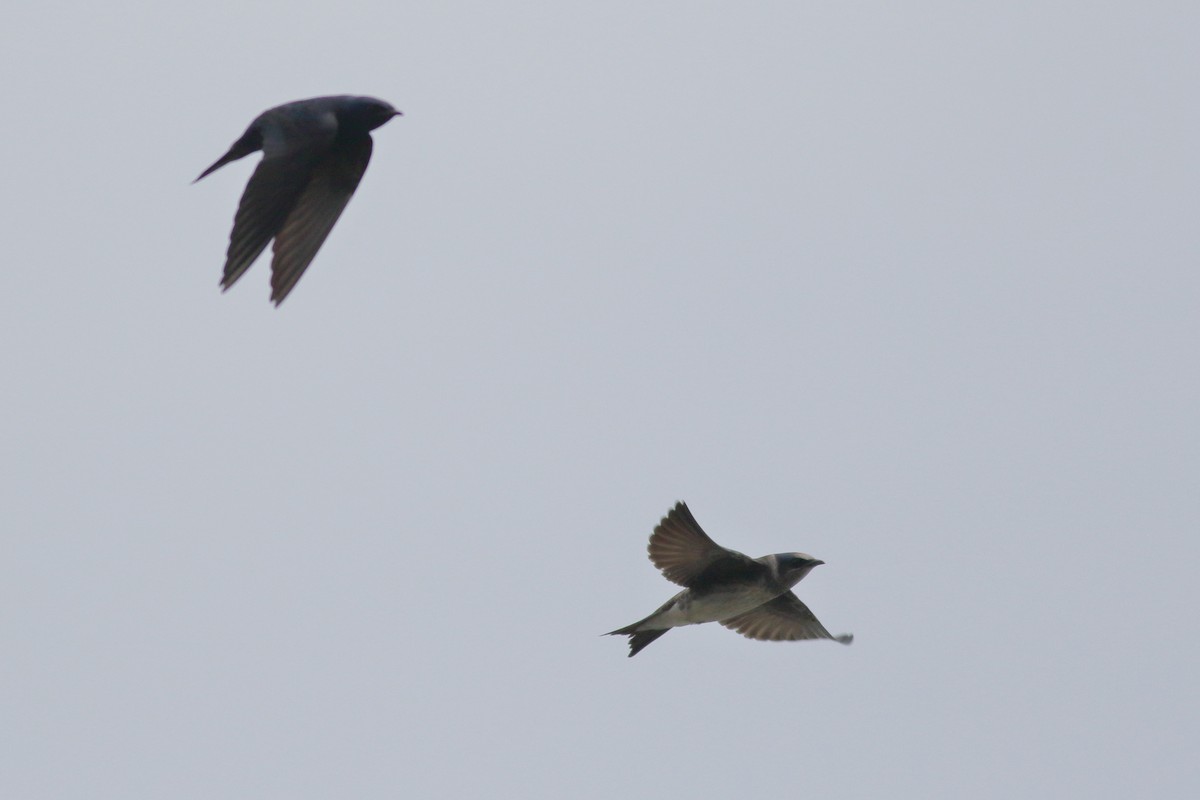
pixel 911 287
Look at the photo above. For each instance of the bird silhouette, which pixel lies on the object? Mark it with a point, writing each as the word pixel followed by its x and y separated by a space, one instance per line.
pixel 314 155
pixel 749 595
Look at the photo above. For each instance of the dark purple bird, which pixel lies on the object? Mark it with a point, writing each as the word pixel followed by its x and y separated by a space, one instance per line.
pixel 314 154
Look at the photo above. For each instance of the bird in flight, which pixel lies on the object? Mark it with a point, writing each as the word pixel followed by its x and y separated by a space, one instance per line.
pixel 314 154
pixel 749 595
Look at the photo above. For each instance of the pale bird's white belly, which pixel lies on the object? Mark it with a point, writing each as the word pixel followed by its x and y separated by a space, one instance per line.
pixel 688 610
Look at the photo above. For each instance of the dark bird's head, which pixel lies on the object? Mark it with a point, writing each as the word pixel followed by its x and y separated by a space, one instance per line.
pixel 365 113
pixel 790 568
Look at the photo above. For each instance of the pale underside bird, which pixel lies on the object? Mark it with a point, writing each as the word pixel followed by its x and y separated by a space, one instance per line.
pixel 314 155
pixel 749 595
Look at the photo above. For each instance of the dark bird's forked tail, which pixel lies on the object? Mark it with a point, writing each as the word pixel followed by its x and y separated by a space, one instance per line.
pixel 251 142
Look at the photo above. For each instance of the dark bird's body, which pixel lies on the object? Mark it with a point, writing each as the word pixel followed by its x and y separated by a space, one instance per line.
pixel 314 154
pixel 749 595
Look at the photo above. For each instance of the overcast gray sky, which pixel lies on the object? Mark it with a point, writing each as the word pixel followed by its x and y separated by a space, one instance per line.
pixel 911 287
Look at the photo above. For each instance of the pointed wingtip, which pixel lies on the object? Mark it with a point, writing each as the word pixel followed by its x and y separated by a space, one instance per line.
pixel 280 293
pixel 845 638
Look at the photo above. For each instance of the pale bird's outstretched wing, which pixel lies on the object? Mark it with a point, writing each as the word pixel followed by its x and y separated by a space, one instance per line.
pixel 784 619
pixel 684 552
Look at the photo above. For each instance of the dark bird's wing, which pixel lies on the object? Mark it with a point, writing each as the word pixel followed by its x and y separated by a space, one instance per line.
pixel 294 143
pixel 682 550
pixel 334 179
pixel 784 619
pixel 273 190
